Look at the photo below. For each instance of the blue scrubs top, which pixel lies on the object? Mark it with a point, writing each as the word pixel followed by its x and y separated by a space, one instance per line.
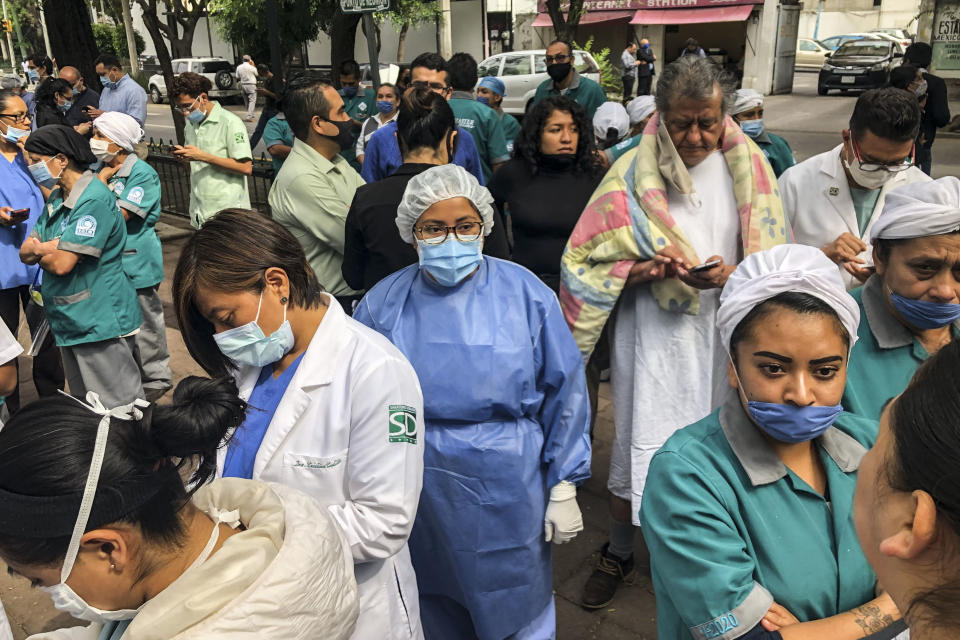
pixel 17 190
pixel 266 396
pixel 382 154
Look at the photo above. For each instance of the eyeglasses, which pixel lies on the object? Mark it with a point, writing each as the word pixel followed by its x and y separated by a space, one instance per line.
pixel 17 118
pixel 559 58
pixel 187 109
pixel 433 86
pixel 431 233
pixel 893 167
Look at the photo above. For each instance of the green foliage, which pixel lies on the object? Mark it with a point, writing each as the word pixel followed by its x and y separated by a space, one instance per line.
pixel 609 77
pixel 413 13
pixel 103 36
pixel 25 12
pixel 112 39
pixel 244 23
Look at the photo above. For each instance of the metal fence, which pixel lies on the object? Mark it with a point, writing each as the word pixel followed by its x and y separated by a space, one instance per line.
pixel 175 179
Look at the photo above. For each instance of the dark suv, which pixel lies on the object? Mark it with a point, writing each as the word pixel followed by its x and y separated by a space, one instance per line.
pixel 858 64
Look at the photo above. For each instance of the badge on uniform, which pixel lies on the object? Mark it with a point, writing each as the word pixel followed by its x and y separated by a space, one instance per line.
pixel 834 191
pixel 402 424
pixel 136 195
pixel 118 188
pixel 86 227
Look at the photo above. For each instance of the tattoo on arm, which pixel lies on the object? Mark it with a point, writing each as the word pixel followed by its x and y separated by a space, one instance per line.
pixel 871 619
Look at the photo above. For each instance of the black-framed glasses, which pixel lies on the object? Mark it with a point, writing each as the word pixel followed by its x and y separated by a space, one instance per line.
pixel 17 118
pixel 894 167
pixel 433 86
pixel 560 58
pixel 433 233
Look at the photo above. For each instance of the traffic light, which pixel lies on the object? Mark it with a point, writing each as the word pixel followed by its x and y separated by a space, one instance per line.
pixel 7 25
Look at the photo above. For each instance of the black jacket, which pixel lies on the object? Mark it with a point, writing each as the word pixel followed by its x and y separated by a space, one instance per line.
pixel 45 114
pixel 373 248
pixel 936 113
pixel 76 115
pixel 644 55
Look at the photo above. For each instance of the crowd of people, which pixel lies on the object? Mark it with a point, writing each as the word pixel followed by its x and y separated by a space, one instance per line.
pixel 404 356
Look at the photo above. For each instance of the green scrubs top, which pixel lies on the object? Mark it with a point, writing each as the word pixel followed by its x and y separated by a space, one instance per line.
pixel 511 129
pixel 485 126
pixel 359 108
pixel 731 529
pixel 885 357
pixel 778 152
pixel 584 91
pixel 864 202
pixel 137 188
pixel 211 188
pixel 96 300
pixel 620 149
pixel 277 131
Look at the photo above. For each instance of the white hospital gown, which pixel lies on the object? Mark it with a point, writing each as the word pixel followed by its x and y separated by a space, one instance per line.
pixel 668 370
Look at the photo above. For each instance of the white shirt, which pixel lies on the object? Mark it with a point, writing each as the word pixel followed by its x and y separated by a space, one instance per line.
pixel 668 368
pixel 247 73
pixel 370 127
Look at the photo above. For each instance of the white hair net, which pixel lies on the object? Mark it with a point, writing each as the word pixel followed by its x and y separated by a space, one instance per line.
pixel 746 100
pixel 640 107
pixel 920 209
pixel 119 127
pixel 787 267
pixel 435 185
pixel 611 114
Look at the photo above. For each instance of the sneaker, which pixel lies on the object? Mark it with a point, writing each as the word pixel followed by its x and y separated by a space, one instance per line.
pixel 603 582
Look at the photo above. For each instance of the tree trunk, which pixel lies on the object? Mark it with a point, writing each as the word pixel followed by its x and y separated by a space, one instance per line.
pixel 436 22
pixel 343 41
pixel 152 23
pixel 402 41
pixel 565 27
pixel 71 36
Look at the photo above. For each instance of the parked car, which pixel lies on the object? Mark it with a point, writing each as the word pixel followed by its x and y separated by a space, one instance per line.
pixel 810 55
pixel 904 38
pixel 217 70
pixel 523 71
pixel 148 63
pixel 858 64
pixel 833 42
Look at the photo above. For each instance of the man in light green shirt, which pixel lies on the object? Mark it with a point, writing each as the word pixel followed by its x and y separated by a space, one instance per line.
pixel 313 190
pixel 217 148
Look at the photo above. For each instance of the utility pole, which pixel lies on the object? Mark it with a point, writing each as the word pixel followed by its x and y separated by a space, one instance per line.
pixel 13 57
pixel 446 30
pixel 43 28
pixel 131 39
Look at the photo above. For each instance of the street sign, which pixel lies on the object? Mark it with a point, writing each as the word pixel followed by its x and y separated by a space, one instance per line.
pixel 364 6
pixel 7 25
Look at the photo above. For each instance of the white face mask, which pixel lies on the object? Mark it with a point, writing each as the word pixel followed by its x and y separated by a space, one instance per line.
pixel 100 149
pixel 866 179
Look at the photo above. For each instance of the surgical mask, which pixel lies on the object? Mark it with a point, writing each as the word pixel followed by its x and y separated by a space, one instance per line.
pixel 105 79
pixel 559 71
pixel 349 92
pixel 64 598
pixel 248 345
pixel 869 180
pixel 923 314
pixel 33 75
pixel 65 106
pixel 451 261
pixel 196 116
pixel 76 92
pixel 42 176
pixel 100 149
pixel 752 128
pixel 344 137
pixel 384 106
pixel 13 134
pixel 790 424
pixel 483 100
pixel 921 89
pixel 645 46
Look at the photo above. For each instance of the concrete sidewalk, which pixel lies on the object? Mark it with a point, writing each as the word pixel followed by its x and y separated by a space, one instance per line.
pixel 631 615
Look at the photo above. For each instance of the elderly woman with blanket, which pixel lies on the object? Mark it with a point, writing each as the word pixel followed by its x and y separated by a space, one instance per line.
pixel 658 240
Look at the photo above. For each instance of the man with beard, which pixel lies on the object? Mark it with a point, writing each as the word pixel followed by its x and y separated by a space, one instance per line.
pixel 566 81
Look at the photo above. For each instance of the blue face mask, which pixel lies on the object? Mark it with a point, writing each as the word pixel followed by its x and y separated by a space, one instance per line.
pixel 790 424
pixel 33 75
pixel 752 128
pixel 925 315
pixel 42 176
pixel 452 261
pixel 384 106
pixel 197 115
pixel 483 100
pixel 76 92
pixel 65 106
pixel 105 79
pixel 13 134
pixel 248 345
pixel 349 92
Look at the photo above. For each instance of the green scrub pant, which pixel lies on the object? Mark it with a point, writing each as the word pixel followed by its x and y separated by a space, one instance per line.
pixel 152 342
pixel 109 367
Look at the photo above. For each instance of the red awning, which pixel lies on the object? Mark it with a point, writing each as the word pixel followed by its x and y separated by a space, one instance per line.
pixel 697 15
pixel 543 19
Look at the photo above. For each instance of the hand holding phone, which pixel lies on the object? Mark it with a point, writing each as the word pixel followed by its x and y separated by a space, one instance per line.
pixel 706 266
pixel 10 217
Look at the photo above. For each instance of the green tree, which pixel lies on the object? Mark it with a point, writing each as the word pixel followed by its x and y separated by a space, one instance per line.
pixel 244 23
pixel 407 14
pixel 27 16
pixel 609 78
pixel 565 26
pixel 120 43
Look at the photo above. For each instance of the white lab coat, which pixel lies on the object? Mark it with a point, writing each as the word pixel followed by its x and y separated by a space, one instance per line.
pixel 816 198
pixel 331 437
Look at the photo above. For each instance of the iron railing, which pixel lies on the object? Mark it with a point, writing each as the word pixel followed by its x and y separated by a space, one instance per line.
pixel 175 179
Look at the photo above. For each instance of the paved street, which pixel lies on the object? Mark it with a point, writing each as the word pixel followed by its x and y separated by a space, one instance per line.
pixel 810 123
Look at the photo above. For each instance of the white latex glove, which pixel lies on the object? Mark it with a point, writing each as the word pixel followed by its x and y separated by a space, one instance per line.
pixel 562 521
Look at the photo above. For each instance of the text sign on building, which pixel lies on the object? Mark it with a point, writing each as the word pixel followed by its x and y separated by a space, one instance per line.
pixel 946 36
pixel 620 5
pixel 363 6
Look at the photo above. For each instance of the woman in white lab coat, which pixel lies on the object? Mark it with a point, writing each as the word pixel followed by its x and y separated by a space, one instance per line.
pixel 336 410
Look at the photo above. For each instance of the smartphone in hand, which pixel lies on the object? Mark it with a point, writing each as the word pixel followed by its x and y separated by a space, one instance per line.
pixel 19 215
pixel 706 266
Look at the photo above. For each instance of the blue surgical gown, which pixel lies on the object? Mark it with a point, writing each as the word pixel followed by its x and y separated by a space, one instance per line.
pixel 19 191
pixel 507 418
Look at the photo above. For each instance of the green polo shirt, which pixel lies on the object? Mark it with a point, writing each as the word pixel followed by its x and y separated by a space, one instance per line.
pixel 485 126
pixel 584 91
pixel 96 300
pixel 211 188
pixel 311 196
pixel 137 188
pixel 731 529
pixel 886 356
pixel 277 131
pixel 778 152
pixel 359 108
pixel 511 129
pixel 620 149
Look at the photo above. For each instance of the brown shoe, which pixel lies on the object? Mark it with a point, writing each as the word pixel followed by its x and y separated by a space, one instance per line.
pixel 603 582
